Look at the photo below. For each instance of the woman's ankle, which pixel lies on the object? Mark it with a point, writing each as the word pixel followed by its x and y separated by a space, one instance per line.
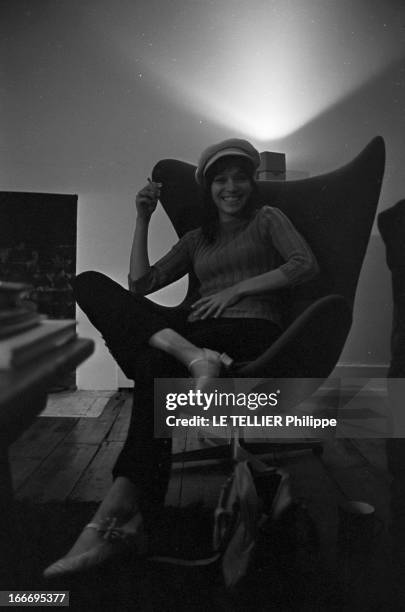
pixel 121 500
pixel 206 363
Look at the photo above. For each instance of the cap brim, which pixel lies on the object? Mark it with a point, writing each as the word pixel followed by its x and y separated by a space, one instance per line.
pixel 226 153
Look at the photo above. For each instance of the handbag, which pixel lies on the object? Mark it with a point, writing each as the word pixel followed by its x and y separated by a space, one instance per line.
pixel 251 496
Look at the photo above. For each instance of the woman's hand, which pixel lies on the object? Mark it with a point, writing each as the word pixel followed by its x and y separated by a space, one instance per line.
pixel 147 198
pixel 214 305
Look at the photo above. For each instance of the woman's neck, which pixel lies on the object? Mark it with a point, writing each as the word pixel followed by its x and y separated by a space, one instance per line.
pixel 231 224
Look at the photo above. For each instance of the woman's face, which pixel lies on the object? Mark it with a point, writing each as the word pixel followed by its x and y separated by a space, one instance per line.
pixel 230 191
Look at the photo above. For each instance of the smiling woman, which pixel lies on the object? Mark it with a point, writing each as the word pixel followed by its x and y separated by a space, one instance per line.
pixel 242 255
pixel 230 192
pixel 226 173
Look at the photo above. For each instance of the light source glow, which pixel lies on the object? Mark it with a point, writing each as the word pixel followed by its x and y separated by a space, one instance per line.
pixel 263 68
pixel 274 66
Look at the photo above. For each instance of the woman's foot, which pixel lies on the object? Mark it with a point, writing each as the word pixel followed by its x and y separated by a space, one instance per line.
pixel 206 366
pixel 99 541
pixel 116 527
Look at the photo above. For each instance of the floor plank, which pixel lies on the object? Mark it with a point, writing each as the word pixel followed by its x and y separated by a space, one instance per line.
pixel 97 478
pixel 37 443
pixel 76 404
pixel 94 431
pixel 41 437
pixel 23 468
pixel 118 431
pixel 57 475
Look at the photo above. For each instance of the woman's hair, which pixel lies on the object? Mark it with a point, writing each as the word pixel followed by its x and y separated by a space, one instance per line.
pixel 210 218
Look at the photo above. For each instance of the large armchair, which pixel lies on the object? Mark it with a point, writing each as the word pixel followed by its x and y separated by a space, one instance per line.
pixel 335 213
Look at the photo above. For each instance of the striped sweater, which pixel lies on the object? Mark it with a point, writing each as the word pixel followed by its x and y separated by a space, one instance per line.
pixel 243 249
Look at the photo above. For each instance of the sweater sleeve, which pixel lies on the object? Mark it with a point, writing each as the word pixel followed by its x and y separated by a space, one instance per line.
pixel 171 267
pixel 299 264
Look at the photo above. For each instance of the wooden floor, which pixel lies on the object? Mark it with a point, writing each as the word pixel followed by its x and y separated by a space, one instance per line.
pixel 71 459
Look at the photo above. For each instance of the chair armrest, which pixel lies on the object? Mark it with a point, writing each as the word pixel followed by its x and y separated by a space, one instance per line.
pixel 309 347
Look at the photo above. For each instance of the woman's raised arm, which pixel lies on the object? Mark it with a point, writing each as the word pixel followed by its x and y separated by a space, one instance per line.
pixel 146 202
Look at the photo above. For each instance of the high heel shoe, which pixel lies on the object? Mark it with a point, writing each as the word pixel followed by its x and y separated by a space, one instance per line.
pixel 113 540
pixel 208 366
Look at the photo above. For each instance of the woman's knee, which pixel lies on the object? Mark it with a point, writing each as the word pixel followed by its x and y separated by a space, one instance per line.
pixel 87 279
pixel 88 285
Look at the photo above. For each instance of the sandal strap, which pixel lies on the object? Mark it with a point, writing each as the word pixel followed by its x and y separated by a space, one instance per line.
pixel 225 360
pixel 199 359
pixel 108 527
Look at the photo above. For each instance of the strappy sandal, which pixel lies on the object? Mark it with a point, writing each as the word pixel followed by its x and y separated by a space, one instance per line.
pixel 210 366
pixel 114 540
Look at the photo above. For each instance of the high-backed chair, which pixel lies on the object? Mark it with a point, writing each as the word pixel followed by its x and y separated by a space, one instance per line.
pixel 335 213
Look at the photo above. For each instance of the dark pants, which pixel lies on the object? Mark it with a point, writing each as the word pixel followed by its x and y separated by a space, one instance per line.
pixel 126 322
